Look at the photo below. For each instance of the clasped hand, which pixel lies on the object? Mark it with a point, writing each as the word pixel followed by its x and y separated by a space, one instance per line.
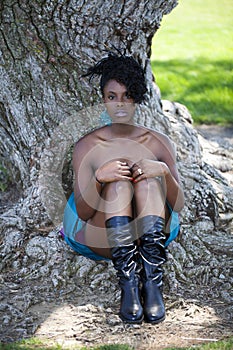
pixel 117 170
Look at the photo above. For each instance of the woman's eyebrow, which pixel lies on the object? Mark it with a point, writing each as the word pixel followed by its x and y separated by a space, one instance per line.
pixel 115 92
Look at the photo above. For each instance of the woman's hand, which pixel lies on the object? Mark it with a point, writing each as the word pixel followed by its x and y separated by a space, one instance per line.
pixel 147 168
pixel 113 171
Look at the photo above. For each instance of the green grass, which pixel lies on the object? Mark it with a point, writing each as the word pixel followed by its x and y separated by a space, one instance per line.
pixel 192 59
pixel 38 344
pixel 220 345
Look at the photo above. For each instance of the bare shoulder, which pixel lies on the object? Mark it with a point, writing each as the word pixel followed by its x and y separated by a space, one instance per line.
pixel 86 142
pixel 160 137
pixel 162 145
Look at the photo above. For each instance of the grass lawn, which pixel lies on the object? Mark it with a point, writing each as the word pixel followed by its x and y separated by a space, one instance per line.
pixel 36 344
pixel 192 59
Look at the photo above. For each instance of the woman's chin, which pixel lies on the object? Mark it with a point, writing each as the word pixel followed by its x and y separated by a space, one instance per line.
pixel 122 119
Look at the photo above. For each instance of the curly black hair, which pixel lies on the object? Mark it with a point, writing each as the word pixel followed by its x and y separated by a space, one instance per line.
pixel 125 70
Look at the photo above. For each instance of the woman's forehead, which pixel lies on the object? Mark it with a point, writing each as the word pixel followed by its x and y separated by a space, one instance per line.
pixel 115 86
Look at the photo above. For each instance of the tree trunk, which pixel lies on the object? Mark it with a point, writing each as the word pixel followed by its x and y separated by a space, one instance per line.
pixel 46 46
pixel 46 105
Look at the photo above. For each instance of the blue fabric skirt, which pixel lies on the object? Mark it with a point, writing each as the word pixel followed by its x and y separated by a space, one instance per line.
pixel 72 224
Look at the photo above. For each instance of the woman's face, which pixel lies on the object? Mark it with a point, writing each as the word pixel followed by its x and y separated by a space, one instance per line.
pixel 119 104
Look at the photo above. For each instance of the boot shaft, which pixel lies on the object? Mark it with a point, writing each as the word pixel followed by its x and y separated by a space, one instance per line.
pixel 121 234
pixel 121 231
pixel 152 247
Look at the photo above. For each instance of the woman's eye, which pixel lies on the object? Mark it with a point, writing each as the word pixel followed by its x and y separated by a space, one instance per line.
pixel 111 97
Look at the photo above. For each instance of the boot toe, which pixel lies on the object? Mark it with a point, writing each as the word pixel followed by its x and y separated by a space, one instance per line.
pixel 131 313
pixel 154 315
pixel 132 318
pixel 131 310
pixel 154 310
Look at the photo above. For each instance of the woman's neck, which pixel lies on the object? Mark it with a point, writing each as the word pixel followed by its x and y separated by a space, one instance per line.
pixel 121 129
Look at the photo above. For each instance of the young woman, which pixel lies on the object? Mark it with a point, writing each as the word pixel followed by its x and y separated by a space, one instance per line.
pixel 126 190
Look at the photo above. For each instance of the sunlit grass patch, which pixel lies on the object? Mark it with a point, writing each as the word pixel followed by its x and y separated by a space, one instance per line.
pixel 39 344
pixel 192 59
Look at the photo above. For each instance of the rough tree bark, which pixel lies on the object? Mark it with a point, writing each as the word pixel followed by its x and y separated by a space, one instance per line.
pixel 45 106
pixel 45 47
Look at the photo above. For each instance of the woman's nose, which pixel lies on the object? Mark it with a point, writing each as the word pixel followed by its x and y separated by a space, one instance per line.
pixel 120 101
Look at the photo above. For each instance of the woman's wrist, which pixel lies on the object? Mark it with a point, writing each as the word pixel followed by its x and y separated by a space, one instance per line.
pixel 97 180
pixel 166 170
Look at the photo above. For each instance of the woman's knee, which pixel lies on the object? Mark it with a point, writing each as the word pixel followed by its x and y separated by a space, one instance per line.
pixel 148 186
pixel 149 198
pixel 116 190
pixel 117 198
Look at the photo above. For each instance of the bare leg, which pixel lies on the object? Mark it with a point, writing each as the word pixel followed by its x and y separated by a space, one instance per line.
pixel 149 198
pixel 116 201
pixel 94 235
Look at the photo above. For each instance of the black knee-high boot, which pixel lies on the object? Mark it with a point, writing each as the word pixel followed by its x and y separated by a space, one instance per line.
pixel 121 237
pixel 153 255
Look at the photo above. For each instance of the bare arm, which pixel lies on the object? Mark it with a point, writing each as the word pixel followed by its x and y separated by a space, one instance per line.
pixel 86 189
pixel 174 192
pixel 164 167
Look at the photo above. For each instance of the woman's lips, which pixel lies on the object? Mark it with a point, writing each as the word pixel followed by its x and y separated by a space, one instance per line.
pixel 120 113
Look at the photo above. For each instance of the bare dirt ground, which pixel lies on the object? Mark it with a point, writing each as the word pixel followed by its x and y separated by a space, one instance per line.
pixel 87 316
pixel 188 322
